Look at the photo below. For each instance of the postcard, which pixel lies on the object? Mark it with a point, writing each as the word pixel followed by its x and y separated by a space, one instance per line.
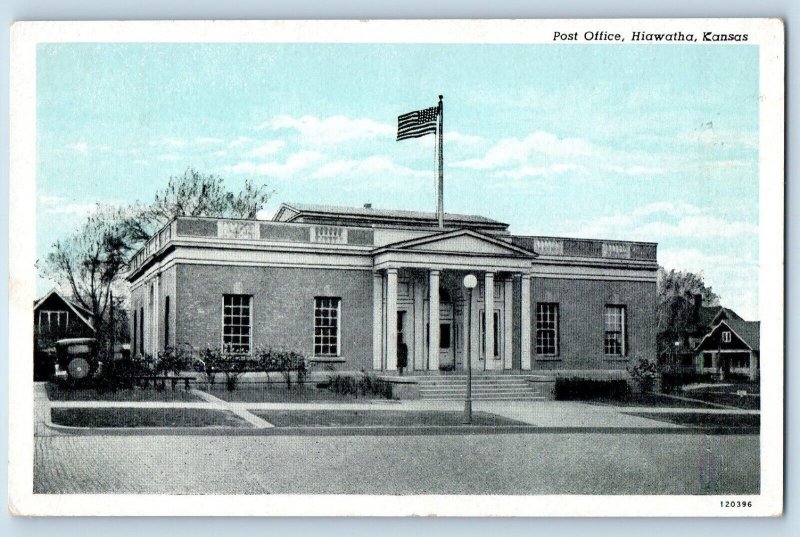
pixel 397 268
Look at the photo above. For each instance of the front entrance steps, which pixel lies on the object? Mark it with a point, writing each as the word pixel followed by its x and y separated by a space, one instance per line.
pixel 485 387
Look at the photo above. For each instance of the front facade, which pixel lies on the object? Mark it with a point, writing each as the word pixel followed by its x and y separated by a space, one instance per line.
pixel 354 289
pixel 730 347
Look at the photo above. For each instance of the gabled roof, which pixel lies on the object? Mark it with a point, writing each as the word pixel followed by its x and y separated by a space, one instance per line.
pixel 79 311
pixel 459 241
pixel 289 212
pixel 712 315
pixel 748 331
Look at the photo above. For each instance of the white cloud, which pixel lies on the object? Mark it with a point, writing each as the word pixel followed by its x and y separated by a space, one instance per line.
pixel 376 167
pixel 239 141
pixel 64 206
pixel 540 171
pixel 698 227
pixel 734 278
pixel 665 220
pixel 513 151
pixel 708 135
pixel 79 147
pixel 667 207
pixel 636 170
pixel 330 130
pixel 294 163
pixel 267 148
pixel 458 138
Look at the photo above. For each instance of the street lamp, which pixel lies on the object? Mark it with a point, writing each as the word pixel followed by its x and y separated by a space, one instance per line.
pixel 470 282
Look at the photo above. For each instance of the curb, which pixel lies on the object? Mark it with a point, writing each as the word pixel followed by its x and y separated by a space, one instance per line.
pixel 390 430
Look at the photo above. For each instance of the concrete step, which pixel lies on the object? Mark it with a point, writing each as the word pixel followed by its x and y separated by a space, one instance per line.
pixel 500 380
pixel 483 396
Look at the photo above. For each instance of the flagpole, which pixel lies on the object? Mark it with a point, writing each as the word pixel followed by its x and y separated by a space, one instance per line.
pixel 440 186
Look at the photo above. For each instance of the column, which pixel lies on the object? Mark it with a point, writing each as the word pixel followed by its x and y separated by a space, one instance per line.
pixel 507 323
pixel 753 366
pixel 419 326
pixel 391 319
pixel 475 333
pixel 488 314
pixel 433 320
pixel 377 321
pixel 525 323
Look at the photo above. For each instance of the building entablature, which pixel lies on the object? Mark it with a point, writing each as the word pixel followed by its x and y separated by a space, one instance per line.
pixel 184 238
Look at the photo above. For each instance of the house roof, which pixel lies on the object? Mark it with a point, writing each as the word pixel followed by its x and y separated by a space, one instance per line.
pixel 711 315
pixel 78 310
pixel 748 331
pixel 288 212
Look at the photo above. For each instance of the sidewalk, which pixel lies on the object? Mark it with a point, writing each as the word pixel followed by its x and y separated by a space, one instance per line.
pixel 544 416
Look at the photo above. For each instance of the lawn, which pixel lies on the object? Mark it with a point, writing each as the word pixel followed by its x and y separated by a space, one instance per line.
pixel 727 394
pixel 372 418
pixel 735 421
pixel 58 392
pixel 277 393
pixel 145 417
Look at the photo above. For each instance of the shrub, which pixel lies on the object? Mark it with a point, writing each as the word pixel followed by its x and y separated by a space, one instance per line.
pixel 578 388
pixel 285 362
pixel 673 379
pixel 644 373
pixel 365 385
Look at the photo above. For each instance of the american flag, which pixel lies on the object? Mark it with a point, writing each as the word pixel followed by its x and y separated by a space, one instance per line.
pixel 417 123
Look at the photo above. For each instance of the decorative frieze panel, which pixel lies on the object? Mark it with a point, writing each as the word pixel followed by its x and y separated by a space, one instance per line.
pixel 236 229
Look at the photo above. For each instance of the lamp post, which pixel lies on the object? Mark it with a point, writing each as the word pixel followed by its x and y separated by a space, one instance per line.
pixel 470 281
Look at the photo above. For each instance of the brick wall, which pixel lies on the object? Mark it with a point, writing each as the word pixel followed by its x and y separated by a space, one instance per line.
pixel 581 327
pixel 283 306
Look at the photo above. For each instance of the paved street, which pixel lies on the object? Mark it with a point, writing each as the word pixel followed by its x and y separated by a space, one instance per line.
pixel 579 463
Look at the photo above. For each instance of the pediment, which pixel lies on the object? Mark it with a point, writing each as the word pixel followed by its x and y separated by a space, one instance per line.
pixel 462 242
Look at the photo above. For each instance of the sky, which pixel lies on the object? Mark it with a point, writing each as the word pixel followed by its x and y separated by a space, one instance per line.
pixel 638 142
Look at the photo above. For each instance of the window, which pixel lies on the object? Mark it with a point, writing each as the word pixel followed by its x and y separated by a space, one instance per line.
pixel 327 315
pixel 166 322
pixel 614 344
pixel 135 330
pixel 546 328
pixel 708 360
pixel 740 360
pixel 141 330
pixel 726 336
pixel 236 323
pixel 53 321
pixel 496 333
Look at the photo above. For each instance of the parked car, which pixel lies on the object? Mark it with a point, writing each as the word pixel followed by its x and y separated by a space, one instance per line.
pixel 77 359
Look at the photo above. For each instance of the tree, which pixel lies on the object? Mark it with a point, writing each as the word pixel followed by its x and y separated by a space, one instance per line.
pixel 676 314
pixel 92 261
pixel 194 194
pixel 685 284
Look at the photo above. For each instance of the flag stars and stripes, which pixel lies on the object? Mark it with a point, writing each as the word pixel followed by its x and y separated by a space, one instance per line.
pixel 418 123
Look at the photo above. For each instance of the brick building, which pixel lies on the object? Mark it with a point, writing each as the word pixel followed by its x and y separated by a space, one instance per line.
pixel 346 286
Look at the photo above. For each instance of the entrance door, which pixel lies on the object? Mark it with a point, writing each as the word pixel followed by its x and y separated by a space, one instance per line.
pixel 447 356
pixel 403 341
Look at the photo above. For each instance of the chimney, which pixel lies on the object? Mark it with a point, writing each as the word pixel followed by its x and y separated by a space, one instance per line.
pixel 368 206
pixel 698 303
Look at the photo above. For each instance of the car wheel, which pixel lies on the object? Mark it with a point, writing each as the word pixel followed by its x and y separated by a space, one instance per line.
pixel 78 368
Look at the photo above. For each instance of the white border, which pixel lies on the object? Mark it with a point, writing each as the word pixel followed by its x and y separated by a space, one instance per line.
pixel 768 34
